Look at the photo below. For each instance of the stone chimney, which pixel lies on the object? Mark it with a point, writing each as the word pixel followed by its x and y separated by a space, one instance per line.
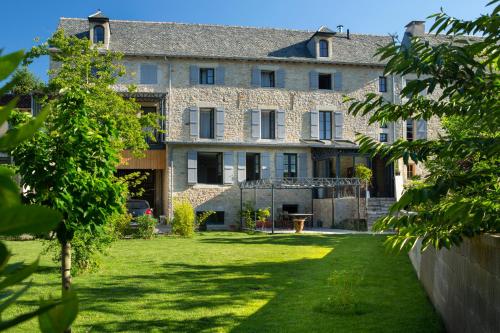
pixel 415 28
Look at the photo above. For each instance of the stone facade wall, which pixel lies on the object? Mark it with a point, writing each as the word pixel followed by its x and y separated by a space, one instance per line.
pixel 463 283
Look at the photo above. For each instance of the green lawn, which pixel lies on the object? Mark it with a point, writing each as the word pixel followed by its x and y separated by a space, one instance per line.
pixel 221 282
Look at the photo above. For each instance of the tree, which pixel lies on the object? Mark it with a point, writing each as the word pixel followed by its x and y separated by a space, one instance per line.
pixel 70 164
pixel 25 82
pixel 54 315
pixel 460 196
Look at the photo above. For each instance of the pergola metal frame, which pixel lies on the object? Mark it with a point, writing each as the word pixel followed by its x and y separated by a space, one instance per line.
pixel 297 183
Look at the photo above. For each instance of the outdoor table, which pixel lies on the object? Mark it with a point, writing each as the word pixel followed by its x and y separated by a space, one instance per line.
pixel 298 220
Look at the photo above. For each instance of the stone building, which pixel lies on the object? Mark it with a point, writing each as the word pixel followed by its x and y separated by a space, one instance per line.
pixel 247 103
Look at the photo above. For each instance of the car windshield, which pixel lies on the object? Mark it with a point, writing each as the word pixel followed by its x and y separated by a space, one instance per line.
pixel 139 204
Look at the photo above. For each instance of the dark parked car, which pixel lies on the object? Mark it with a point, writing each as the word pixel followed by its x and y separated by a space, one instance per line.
pixel 138 208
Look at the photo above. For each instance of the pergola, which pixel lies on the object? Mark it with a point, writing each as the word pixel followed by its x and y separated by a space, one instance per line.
pixel 299 184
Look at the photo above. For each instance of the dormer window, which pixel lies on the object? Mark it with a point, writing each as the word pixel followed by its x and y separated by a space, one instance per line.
pixel 98 34
pixel 323 48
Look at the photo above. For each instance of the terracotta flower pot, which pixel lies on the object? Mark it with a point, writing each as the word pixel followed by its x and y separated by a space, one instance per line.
pixel 298 224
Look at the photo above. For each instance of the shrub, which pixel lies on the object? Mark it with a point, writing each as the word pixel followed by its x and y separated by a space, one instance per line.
pixel 247 214
pixel 146 226
pixel 120 224
pixel 201 219
pixel 364 173
pixel 263 214
pixel 183 223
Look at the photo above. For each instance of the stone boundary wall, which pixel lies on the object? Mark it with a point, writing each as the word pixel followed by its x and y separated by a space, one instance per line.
pixel 463 283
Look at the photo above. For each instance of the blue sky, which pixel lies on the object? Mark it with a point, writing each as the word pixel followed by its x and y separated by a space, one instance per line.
pixel 22 21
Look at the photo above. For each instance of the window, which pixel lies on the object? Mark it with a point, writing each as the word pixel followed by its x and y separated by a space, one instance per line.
pixel 98 34
pixel 323 48
pixel 325 81
pixel 206 123
pixel 209 168
pixel 409 129
pixel 207 76
pixel 289 165
pixel 382 84
pixel 383 137
pixel 325 125
pixel 147 110
pixel 253 166
pixel 267 124
pixel 149 74
pixel 410 171
pixel 267 79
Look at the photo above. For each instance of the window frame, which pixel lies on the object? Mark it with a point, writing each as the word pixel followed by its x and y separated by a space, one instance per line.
pixel 204 71
pixel 323 126
pixel 218 176
pixel 272 78
pixel 256 168
pixel 211 129
pixel 382 83
pixel 410 124
pixel 272 124
pixel 290 160
pixel 330 85
pixel 100 27
pixel 326 44
pixel 384 135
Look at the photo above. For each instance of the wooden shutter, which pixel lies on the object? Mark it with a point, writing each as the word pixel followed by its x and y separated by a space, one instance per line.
pixel 194 75
pixel 228 168
pixel 255 123
pixel 280 78
pixel 192 166
pixel 303 165
pixel 339 124
pixel 193 122
pixel 280 124
pixel 279 165
pixel 421 129
pixel 255 76
pixel 314 124
pixel 242 166
pixel 149 74
pixel 219 123
pixel 265 165
pixel 313 80
pixel 220 72
pixel 337 81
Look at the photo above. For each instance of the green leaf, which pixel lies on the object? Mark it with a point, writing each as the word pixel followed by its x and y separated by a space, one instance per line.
pixel 9 192
pixel 19 275
pixel 60 317
pixel 6 110
pixel 9 63
pixel 24 317
pixel 32 219
pixel 4 256
pixel 17 135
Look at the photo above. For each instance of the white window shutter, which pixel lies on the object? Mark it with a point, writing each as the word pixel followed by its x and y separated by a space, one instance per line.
pixel 255 77
pixel 313 80
pixel 242 166
pixel 192 167
pixel 194 75
pixel 220 73
pixel 339 125
pixel 219 123
pixel 279 168
pixel 255 123
pixel 421 129
pixel 228 168
pixel 193 121
pixel 265 165
pixel 280 78
pixel 314 124
pixel 337 81
pixel 303 165
pixel 280 124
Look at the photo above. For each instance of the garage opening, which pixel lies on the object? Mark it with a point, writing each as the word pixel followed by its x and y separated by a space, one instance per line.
pixel 149 189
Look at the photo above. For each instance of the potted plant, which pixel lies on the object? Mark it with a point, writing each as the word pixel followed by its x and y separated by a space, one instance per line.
pixel 262 216
pixel 364 174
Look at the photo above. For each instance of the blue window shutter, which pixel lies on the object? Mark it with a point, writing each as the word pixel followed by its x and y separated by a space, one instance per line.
pixel 228 168
pixel 220 72
pixel 255 76
pixel 337 81
pixel 314 124
pixel 303 165
pixel 194 75
pixel 149 74
pixel 192 166
pixel 242 166
pixel 265 165
pixel 280 124
pixel 193 122
pixel 421 129
pixel 280 78
pixel 219 123
pixel 339 125
pixel 313 80
pixel 279 165
pixel 255 123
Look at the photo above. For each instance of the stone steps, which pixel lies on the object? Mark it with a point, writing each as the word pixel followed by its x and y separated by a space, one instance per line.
pixel 377 207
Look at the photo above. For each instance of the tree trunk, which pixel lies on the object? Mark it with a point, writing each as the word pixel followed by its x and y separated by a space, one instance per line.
pixel 66 270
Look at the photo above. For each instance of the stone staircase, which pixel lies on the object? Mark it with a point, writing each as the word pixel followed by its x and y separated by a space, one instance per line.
pixel 377 207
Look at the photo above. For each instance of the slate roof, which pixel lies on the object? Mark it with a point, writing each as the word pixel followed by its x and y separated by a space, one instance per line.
pixel 230 42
